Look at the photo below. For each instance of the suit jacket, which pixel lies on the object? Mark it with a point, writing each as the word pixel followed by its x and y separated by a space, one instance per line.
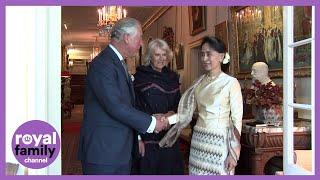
pixel 110 120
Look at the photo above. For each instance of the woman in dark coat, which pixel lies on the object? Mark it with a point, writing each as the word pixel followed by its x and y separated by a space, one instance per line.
pixel 157 92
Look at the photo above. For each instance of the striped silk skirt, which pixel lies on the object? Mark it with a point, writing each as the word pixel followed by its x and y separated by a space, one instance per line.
pixel 208 151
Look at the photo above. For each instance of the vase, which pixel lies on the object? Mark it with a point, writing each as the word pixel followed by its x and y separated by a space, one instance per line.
pixel 270 116
pixel 273 115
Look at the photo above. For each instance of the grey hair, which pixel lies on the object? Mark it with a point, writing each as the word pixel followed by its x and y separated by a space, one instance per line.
pixel 124 26
pixel 157 43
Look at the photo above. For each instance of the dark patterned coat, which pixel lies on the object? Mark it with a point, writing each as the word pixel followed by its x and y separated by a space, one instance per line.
pixel 156 92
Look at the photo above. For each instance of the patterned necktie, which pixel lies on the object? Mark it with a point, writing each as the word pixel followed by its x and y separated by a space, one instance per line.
pixel 124 64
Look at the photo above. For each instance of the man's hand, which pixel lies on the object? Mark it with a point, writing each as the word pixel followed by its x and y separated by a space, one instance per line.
pixel 141 148
pixel 161 123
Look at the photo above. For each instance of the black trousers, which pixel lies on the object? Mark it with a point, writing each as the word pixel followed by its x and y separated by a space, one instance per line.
pixel 100 169
pixel 160 161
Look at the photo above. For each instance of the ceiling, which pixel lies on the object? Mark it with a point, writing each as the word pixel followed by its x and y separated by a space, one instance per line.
pixel 82 21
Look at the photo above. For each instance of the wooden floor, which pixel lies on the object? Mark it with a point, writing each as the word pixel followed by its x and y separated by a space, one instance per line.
pixel 70 141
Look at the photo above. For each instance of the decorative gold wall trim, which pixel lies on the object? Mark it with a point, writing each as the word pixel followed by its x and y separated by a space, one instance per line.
pixel 195 43
pixel 155 17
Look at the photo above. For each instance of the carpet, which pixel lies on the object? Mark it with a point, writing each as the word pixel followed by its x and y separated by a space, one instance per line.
pixel 71 127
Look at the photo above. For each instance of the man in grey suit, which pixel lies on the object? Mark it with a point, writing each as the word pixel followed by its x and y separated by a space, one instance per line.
pixel 111 123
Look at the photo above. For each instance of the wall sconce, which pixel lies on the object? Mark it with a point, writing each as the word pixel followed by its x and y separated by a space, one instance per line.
pixel 70 63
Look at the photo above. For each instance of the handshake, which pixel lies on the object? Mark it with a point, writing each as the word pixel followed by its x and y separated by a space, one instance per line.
pixel 162 122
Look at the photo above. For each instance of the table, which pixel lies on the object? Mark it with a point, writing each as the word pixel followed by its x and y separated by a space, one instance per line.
pixel 260 144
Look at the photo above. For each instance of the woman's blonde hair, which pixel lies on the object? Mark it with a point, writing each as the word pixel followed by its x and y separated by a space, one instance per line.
pixel 157 43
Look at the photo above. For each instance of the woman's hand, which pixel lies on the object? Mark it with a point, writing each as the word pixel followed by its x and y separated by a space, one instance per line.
pixel 231 164
pixel 141 148
pixel 169 113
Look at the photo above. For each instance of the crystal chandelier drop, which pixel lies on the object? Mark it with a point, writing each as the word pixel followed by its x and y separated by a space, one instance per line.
pixel 108 16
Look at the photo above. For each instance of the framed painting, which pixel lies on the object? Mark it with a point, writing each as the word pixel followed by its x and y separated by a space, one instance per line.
pixel 197 19
pixel 259 37
pixel 168 36
pixel 221 32
pixel 302 30
pixel 179 53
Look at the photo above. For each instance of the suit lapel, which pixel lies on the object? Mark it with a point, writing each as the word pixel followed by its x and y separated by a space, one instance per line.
pixel 119 66
pixel 130 84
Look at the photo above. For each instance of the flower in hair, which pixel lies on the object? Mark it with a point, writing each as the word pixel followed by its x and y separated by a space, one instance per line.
pixel 226 58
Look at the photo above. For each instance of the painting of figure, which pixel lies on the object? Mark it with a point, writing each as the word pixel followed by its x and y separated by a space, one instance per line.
pixel 197 19
pixel 259 35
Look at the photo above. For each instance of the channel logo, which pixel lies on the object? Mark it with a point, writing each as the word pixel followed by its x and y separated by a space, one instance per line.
pixel 36 144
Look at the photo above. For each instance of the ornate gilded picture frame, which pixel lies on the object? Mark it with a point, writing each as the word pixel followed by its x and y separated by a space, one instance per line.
pixel 197 19
pixel 221 31
pixel 258 36
pixel 179 53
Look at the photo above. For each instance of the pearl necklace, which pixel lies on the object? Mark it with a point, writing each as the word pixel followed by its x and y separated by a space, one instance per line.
pixel 212 78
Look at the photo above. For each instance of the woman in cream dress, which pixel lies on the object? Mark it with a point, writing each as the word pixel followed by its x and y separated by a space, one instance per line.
pixel 219 102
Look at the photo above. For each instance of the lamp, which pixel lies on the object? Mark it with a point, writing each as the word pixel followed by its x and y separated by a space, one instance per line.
pixel 108 16
pixel 95 50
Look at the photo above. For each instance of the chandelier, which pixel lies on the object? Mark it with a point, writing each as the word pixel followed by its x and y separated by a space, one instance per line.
pixel 108 16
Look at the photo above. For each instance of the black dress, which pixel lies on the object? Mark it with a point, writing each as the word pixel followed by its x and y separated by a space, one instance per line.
pixel 157 92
